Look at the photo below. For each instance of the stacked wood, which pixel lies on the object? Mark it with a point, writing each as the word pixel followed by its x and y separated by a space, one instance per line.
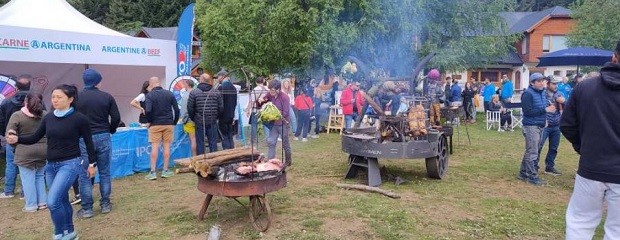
pixel 417 121
pixel 204 164
pixel 185 162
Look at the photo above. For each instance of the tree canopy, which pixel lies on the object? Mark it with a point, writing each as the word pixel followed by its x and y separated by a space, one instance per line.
pixel 270 36
pixel 538 5
pixel 597 26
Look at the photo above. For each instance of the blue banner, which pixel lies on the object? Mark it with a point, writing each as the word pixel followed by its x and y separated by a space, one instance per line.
pixel 185 35
pixel 131 151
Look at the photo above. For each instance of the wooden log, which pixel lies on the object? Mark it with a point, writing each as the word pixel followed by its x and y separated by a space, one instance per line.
pixel 373 104
pixel 204 166
pixel 221 153
pixel 368 189
pixel 185 162
pixel 184 170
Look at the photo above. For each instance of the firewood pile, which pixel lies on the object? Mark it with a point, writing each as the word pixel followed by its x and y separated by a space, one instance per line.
pixel 206 164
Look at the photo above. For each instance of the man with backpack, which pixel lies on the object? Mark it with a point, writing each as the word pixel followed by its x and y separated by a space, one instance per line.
pixel 7 108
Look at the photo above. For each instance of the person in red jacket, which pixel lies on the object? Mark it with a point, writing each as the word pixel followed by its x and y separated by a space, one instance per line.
pixel 304 106
pixel 351 101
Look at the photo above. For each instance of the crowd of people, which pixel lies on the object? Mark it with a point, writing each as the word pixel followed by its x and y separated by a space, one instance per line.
pixel 53 151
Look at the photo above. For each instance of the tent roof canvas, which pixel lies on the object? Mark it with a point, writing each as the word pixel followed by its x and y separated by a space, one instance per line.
pixel 52 15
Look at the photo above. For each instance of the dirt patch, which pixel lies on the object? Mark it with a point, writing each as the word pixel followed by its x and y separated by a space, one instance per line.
pixel 348 229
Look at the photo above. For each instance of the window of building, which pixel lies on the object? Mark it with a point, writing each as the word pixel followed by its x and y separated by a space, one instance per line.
pixel 552 43
pixel 524 45
pixel 557 73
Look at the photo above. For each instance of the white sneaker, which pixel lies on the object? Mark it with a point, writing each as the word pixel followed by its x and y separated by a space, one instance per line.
pixel 296 138
pixel 304 139
pixel 279 139
pixel 314 136
pixel 4 195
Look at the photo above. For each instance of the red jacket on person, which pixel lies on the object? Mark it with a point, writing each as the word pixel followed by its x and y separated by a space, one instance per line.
pixel 346 101
pixel 303 102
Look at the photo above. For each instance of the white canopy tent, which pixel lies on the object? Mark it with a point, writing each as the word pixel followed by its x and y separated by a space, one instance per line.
pixel 53 42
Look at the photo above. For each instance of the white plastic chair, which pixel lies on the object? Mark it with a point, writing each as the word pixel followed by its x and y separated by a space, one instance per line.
pixel 492 118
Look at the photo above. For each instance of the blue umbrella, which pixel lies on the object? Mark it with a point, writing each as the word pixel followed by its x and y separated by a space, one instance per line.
pixel 578 56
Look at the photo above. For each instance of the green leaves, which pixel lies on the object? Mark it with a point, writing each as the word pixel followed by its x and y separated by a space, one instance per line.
pixel 268 36
pixel 263 36
pixel 597 26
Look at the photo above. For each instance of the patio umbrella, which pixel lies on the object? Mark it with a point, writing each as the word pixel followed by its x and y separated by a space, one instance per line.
pixel 578 56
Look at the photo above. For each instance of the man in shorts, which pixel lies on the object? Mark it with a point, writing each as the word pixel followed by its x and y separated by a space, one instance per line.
pixel 160 104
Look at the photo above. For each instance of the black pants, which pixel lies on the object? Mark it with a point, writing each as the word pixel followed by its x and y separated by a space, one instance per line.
pixel 505 118
pixel 468 104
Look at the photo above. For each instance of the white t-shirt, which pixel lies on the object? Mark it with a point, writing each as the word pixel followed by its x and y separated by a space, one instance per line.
pixel 140 98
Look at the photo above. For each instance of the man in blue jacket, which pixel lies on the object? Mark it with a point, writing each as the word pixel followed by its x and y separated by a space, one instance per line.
pixel 455 95
pixel 487 93
pixel 535 109
pixel 552 130
pixel 590 123
pixel 508 89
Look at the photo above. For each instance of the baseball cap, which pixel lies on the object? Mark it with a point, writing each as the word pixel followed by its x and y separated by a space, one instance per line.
pixel 536 76
pixel 554 79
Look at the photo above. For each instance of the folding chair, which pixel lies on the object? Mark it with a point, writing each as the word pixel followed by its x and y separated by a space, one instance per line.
pixel 517 118
pixel 493 117
pixel 516 114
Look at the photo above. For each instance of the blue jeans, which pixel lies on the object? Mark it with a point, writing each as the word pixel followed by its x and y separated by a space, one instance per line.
pixel 33 186
pixel 553 133
pixel 103 150
pixel 59 177
pixel 226 128
pixel 304 123
pixel 274 132
pixel 254 126
pixel 267 126
pixel 210 132
pixel 253 129
pixel 348 119
pixel 532 141
pixel 10 173
pixel 293 119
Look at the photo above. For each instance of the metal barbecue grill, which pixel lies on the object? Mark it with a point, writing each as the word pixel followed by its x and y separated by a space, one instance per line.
pixel 228 184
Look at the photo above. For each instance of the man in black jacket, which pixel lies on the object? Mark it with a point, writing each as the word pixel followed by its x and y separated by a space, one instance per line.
pixel 203 107
pixel 162 113
pixel 590 123
pixel 102 112
pixel 7 108
pixel 226 118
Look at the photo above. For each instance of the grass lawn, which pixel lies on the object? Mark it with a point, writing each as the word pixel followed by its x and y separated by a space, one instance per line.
pixel 479 199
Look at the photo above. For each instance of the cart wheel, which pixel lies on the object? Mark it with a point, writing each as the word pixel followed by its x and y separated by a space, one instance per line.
pixel 436 167
pixel 260 213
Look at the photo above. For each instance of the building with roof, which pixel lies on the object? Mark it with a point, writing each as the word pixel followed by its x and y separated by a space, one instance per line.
pixel 170 33
pixel 543 32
